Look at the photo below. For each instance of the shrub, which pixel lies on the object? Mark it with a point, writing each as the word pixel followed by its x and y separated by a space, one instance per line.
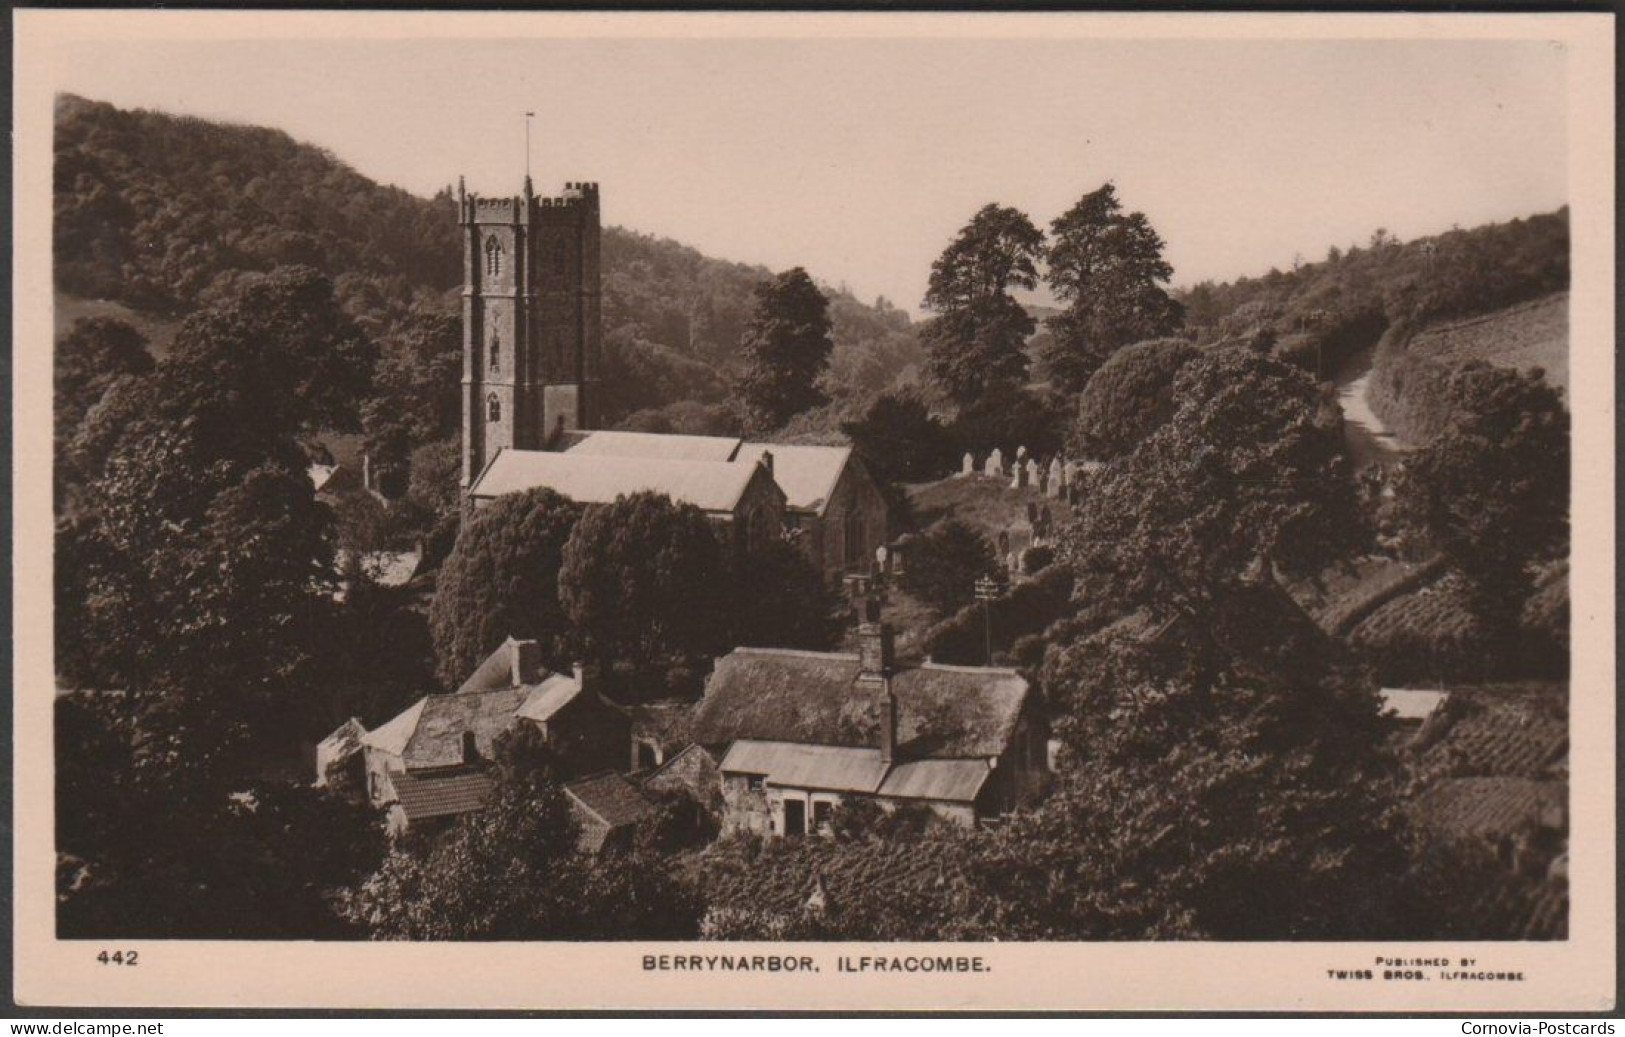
pixel 944 564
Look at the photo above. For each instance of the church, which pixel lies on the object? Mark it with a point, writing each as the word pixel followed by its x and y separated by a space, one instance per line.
pixel 532 341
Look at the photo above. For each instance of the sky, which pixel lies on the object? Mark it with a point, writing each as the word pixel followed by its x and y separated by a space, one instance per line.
pixel 860 158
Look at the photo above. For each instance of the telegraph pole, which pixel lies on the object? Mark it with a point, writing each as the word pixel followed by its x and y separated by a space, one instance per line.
pixel 986 590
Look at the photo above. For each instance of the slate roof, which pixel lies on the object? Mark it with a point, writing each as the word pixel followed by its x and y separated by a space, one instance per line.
pixel 807 474
pixel 440 795
pixel 840 769
pixel 949 781
pixel 1491 807
pixel 429 733
pixel 811 698
pixel 835 768
pixel 606 802
pixel 547 698
pixel 657 445
pixel 712 486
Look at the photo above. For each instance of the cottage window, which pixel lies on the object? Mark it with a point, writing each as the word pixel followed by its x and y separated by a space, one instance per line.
pixel 493 408
pixel 372 785
pixel 756 782
pixel 493 257
pixel 823 810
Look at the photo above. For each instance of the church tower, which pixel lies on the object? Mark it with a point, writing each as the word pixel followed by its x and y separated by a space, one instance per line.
pixel 531 319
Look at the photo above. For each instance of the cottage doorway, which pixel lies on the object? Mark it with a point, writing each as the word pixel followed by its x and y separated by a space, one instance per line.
pixel 795 817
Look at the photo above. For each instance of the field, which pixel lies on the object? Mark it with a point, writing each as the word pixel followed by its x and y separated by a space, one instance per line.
pixel 1534 334
pixel 159 332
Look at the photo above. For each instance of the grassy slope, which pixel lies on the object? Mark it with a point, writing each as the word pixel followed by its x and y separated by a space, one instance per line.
pixel 160 332
pixel 1532 334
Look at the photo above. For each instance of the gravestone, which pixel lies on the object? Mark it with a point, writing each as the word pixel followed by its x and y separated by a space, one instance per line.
pixel 1032 473
pixel 995 464
pixel 1057 478
pixel 1018 476
pixel 968 465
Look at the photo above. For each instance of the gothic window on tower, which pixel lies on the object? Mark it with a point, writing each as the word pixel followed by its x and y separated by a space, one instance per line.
pixel 493 408
pixel 493 256
pixel 496 350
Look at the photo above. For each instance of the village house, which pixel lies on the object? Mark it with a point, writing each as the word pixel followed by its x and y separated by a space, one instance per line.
pixel 797 733
pixel 433 760
pixel 607 809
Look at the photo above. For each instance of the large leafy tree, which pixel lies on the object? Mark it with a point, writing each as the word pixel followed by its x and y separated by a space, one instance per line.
pixel 89 358
pixel 779 599
pixel 944 563
pixel 511 872
pixel 975 342
pixel 502 580
pixel 1491 490
pixel 199 574
pixel 1128 398
pixel 786 347
pixel 1247 476
pixel 643 582
pixel 900 440
pixel 1107 267
pixel 415 399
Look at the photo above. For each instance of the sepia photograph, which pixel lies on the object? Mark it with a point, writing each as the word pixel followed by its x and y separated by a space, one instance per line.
pixel 818 494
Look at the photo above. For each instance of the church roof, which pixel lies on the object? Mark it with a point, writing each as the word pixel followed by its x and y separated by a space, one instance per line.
pixel 807 474
pixel 712 486
pixel 813 698
pixel 657 446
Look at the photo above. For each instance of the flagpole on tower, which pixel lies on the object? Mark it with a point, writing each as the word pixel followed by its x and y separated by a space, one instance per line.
pixel 528 116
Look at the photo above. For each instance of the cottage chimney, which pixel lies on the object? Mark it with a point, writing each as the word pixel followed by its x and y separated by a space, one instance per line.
pixel 366 472
pixel 876 664
pixel 580 675
pixel 526 659
pixel 767 461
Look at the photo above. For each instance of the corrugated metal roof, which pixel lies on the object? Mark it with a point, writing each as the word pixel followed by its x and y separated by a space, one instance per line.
pixel 713 486
pixel 807 766
pixel 656 445
pixel 440 795
pixel 951 781
pixel 550 696
pixel 806 474
pixel 1411 703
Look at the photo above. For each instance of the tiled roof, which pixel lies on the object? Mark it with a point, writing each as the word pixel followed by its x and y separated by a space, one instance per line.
pixel 1494 731
pixel 440 795
pixel 807 474
pixel 658 446
pixel 610 800
pixel 712 486
pixel 812 698
pixel 1491 807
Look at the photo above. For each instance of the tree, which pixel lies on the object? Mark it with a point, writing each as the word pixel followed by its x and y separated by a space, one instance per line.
pixel 1491 490
pixel 415 399
pixel 642 582
pixel 92 355
pixel 975 343
pixel 1108 269
pixel 900 440
pixel 786 346
pixel 779 599
pixel 511 872
pixel 502 580
pixel 1131 396
pixel 944 564
pixel 1249 474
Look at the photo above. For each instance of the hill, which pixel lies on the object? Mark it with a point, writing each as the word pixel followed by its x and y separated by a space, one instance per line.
pixel 1325 312
pixel 160 214
pixel 1531 334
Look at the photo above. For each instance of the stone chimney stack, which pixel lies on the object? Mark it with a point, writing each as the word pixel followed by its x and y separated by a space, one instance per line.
pixel 876 664
pixel 767 461
pixel 526 658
